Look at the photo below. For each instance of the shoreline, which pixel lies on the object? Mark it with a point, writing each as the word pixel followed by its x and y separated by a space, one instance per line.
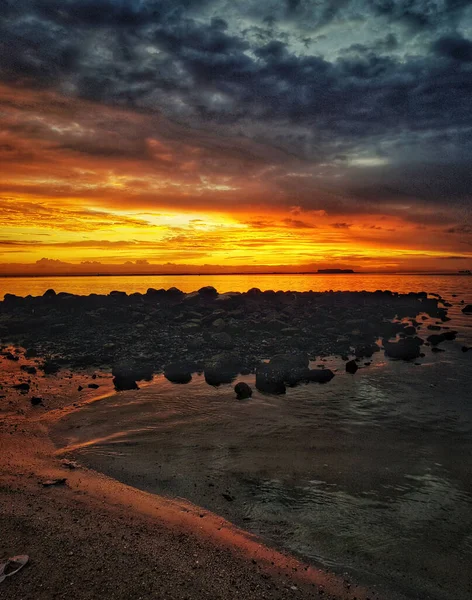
pixel 199 549
pixel 73 342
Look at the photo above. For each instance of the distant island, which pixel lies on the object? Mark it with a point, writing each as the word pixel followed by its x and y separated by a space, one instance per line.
pixel 331 271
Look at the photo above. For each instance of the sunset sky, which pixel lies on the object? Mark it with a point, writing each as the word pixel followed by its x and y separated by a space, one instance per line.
pixel 235 135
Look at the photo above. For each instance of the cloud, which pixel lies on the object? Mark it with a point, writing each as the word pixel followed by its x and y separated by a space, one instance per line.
pixel 111 109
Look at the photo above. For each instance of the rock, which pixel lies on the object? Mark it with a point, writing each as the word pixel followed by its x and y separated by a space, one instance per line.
pixel 174 292
pixel 450 335
pixel 93 386
pixel 410 330
pixel 80 388
pixel 436 349
pixel 434 327
pixel 50 367
pixel 29 369
pixel 118 294
pixel 124 382
pixel 467 309
pixel 36 401
pixel 10 356
pixel 465 348
pixel 51 482
pixel 222 340
pixel 287 362
pixel 318 375
pixel 222 368
pixel 243 390
pixel 22 387
pixel 269 379
pixel 49 294
pixel 366 350
pixel 351 367
pixel 208 292
pixel 228 497
pixel 179 372
pixel 405 349
pixel 436 339
pixel 218 324
pixel 133 369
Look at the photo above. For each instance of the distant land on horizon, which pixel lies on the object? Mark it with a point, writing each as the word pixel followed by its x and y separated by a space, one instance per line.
pixel 232 273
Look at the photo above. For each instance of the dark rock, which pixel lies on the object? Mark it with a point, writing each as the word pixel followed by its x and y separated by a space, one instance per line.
pixel 208 292
pixel 410 330
pixel 22 387
pixel 52 482
pixel 118 294
pixel 222 368
pixel 318 375
pixel 366 350
pixel 36 401
pixel 436 349
pixel 450 335
pixel 434 327
pixel 49 294
pixel 125 382
pixel 10 356
pixel 228 497
pixel 270 379
pixel 93 386
pixel 29 369
pixel 133 370
pixel 436 338
pixel 465 348
pixel 80 388
pixel 179 372
pixel 405 349
pixel 243 390
pixel 50 367
pixel 351 367
pixel 222 340
pixel 175 292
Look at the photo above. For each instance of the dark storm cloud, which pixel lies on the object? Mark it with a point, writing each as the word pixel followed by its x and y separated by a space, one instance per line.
pixel 201 63
pixel 454 47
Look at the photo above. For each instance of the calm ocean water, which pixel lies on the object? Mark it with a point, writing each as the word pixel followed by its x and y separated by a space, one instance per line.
pixel 369 474
pixel 22 286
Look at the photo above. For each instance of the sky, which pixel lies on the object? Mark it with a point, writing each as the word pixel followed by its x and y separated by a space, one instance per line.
pixel 225 135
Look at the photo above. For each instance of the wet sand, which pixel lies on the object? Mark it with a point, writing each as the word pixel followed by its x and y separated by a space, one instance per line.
pixel 96 537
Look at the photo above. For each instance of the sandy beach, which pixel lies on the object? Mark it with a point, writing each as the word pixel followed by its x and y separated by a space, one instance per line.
pixel 93 536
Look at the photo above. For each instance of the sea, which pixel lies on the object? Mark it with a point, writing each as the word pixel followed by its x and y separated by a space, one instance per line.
pixel 369 475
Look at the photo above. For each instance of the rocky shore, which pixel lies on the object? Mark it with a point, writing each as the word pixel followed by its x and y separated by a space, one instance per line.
pixel 272 334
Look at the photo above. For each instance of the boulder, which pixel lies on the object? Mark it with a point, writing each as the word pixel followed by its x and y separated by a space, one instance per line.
pixel 269 379
pixel 50 367
pixel 222 340
pixel 222 368
pixel 351 367
pixel 436 338
pixel 318 375
pixel 406 349
pixel 366 350
pixel 243 390
pixel 467 309
pixel 179 372
pixel 208 292
pixel 124 382
pixel 218 324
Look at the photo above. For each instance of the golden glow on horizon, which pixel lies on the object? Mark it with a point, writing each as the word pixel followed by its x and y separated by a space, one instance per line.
pixel 183 197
